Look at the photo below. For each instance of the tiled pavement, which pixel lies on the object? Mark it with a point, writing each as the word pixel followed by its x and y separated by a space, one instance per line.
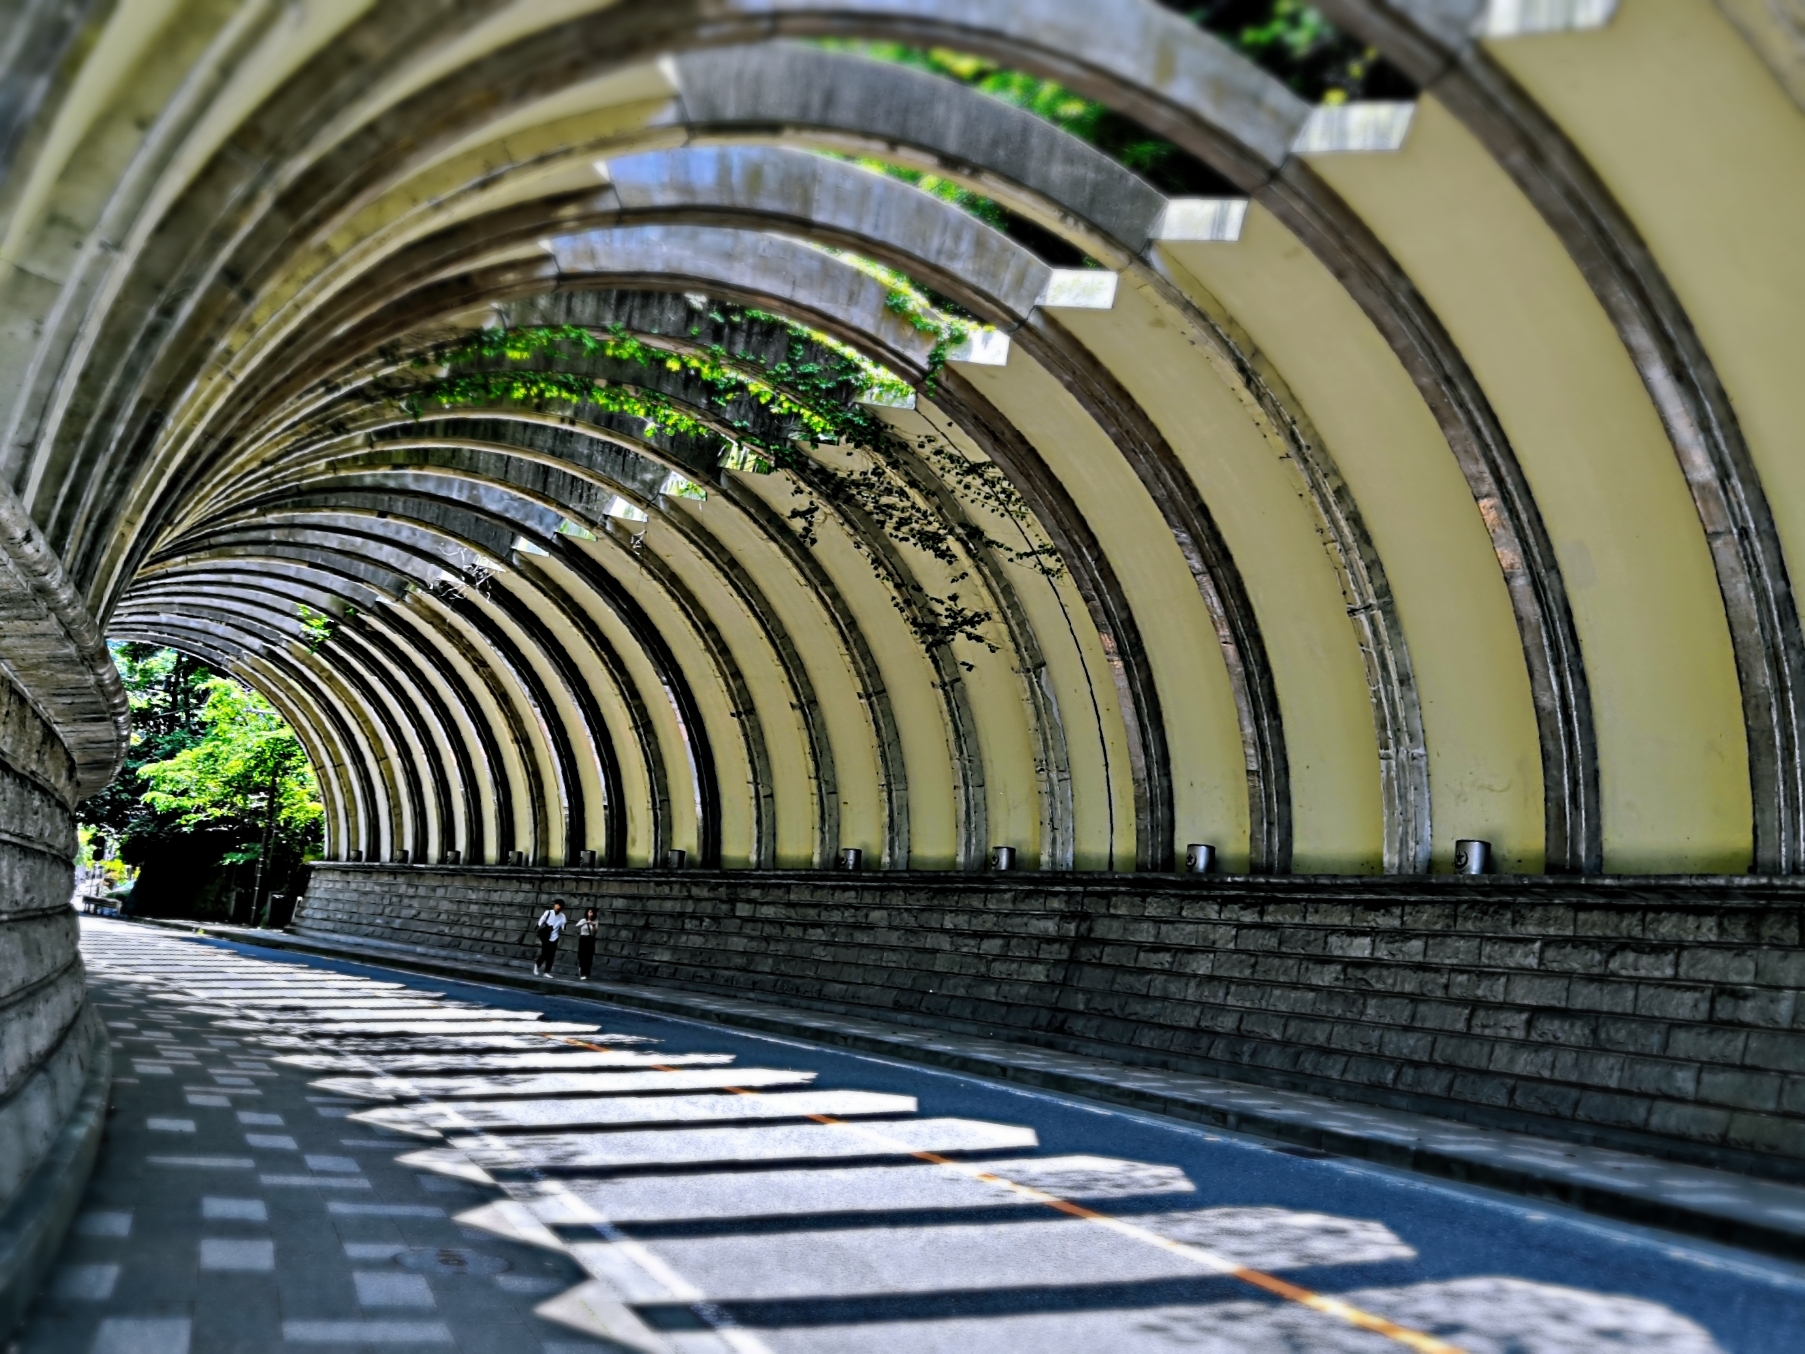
pixel 235 1208
pixel 309 1156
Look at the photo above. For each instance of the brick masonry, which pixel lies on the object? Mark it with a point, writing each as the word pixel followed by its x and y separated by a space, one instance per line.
pixel 41 981
pixel 1660 1014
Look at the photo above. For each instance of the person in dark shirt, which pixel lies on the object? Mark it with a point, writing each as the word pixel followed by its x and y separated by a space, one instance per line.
pixel 551 931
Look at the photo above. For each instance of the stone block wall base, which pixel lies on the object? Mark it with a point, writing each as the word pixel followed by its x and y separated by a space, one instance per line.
pixel 1657 1015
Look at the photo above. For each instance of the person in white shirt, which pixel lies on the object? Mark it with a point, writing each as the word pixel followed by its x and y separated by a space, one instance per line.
pixel 551 931
pixel 587 930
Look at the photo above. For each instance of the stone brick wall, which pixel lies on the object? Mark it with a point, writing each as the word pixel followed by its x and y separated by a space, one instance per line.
pixel 1660 1014
pixel 48 1035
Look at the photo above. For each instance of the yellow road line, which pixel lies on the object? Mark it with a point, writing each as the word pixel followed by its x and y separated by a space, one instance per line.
pixel 1420 1341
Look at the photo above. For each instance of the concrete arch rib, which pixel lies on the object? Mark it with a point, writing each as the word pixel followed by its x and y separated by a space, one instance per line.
pixel 668 315
pixel 374 682
pixel 733 92
pixel 438 747
pixel 260 673
pixel 1216 105
pixel 458 711
pixel 463 475
pixel 1271 769
pixel 556 821
pixel 550 456
pixel 998 279
pixel 1433 43
pixel 740 583
pixel 1260 116
pixel 366 819
pixel 560 467
pixel 657 651
pixel 40 34
pixel 467 511
pixel 484 695
pixel 852 321
pixel 901 226
pixel 330 777
pixel 729 271
pixel 863 300
pixel 423 560
pixel 350 694
pixel 488 527
pixel 358 830
pixel 1396 719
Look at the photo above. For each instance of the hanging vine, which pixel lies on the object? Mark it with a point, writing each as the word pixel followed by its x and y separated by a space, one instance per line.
pixel 757 415
pixel 318 627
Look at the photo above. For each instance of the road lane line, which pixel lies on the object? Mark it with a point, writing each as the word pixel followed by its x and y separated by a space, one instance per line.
pixel 1419 1341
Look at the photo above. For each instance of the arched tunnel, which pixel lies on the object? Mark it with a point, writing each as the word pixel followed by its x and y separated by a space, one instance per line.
pixel 1090 600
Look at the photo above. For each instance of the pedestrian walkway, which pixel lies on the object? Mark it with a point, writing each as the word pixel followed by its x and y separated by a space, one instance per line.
pixel 317 1155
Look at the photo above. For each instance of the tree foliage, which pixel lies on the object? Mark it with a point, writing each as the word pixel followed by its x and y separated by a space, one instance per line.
pixel 191 798
pixel 1294 42
pixel 247 762
pixel 758 415
pixel 1290 39
pixel 168 694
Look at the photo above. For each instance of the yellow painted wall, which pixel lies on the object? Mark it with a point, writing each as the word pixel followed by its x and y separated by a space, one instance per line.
pixel 1485 768
pixel 1255 495
pixel 1673 763
pixel 1210 789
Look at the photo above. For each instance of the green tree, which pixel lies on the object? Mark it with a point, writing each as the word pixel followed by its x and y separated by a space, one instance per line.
pixel 214 781
pixel 248 773
pixel 1294 42
pixel 168 692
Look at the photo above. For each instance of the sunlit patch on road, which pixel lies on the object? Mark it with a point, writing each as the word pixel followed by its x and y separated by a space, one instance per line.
pixel 702 1204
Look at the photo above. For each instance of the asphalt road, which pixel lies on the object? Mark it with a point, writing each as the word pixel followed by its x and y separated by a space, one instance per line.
pixel 319 1155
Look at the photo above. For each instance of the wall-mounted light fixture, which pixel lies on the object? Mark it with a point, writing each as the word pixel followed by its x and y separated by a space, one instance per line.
pixel 1472 857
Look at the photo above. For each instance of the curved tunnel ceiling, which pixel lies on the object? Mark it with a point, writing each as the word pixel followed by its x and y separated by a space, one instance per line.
pixel 1436 479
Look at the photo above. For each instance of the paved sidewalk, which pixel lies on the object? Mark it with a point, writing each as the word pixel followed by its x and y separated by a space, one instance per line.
pixel 1727 1207
pixel 235 1209
pixel 327 1155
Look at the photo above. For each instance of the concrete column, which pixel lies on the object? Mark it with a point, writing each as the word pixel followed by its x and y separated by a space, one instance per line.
pixel 63 725
pixel 55 1066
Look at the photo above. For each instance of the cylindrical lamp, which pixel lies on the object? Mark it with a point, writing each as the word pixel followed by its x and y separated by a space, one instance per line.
pixel 1472 857
pixel 851 858
pixel 1002 857
pixel 1200 858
